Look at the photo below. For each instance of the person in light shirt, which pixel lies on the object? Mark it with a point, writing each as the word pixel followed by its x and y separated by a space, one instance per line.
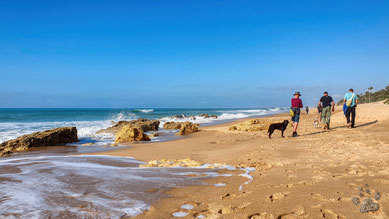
pixel 351 100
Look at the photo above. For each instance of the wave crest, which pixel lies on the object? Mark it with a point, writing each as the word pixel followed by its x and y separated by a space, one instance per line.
pixel 143 110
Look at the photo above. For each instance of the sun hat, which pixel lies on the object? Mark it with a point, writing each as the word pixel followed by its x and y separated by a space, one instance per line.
pixel 297 93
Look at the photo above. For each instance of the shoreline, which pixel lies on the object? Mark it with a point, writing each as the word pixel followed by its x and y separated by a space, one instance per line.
pixel 312 176
pixel 207 128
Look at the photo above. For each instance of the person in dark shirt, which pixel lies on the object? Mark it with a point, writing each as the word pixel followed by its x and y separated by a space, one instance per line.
pixel 328 105
pixel 307 109
pixel 296 105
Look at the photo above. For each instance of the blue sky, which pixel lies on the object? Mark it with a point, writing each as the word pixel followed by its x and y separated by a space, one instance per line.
pixel 182 53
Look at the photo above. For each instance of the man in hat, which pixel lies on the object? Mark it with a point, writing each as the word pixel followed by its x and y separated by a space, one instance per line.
pixel 328 105
pixel 296 105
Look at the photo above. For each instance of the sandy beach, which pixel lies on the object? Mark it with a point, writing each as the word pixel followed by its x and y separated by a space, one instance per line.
pixel 166 109
pixel 312 176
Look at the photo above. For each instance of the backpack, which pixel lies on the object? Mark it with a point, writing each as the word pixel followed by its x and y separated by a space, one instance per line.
pixel 350 101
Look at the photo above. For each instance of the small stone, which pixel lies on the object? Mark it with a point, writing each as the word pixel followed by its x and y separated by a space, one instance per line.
pixel 367 191
pixel 368 205
pixel 360 189
pixel 377 196
pixel 355 200
pixel 366 185
pixel 361 194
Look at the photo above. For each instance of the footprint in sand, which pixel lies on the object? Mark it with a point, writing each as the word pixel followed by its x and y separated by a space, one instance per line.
pixel 298 212
pixel 262 215
pixel 187 207
pixel 277 196
pixel 326 213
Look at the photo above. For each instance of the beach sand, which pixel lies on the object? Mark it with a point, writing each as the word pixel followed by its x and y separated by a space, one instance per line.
pixel 312 176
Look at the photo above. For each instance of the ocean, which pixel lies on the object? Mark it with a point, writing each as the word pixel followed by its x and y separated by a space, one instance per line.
pixel 17 122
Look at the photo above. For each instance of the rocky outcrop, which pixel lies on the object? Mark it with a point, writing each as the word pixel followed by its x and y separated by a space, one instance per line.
pixel 141 124
pixel 181 163
pixel 204 115
pixel 52 137
pixel 208 116
pixel 251 126
pixel 187 128
pixel 129 134
pixel 172 125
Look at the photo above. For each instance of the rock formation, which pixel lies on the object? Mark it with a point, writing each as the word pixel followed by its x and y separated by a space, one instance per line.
pixel 208 116
pixel 52 137
pixel 251 126
pixel 142 124
pixel 181 163
pixel 129 133
pixel 172 125
pixel 187 128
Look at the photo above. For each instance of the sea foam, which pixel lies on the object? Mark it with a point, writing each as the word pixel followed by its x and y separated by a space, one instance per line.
pixel 83 186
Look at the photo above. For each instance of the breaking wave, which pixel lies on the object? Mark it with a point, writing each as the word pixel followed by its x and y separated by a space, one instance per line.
pixel 143 110
pixel 86 129
pixel 14 123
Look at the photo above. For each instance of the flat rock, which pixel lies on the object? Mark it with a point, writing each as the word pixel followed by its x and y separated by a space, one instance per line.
pixel 143 124
pixel 254 125
pixel 52 137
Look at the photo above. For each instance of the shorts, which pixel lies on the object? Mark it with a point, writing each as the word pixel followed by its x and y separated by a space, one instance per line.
pixel 296 117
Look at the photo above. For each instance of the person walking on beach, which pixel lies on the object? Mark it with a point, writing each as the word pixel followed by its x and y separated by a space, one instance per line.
pixel 351 101
pixel 319 111
pixel 328 105
pixel 307 109
pixel 296 105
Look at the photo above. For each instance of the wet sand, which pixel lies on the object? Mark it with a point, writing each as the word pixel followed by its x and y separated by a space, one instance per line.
pixel 90 186
pixel 312 176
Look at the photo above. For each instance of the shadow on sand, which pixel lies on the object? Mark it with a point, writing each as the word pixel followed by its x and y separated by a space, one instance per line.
pixel 339 127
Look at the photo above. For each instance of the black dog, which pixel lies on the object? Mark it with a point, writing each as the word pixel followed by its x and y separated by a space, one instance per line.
pixel 280 126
